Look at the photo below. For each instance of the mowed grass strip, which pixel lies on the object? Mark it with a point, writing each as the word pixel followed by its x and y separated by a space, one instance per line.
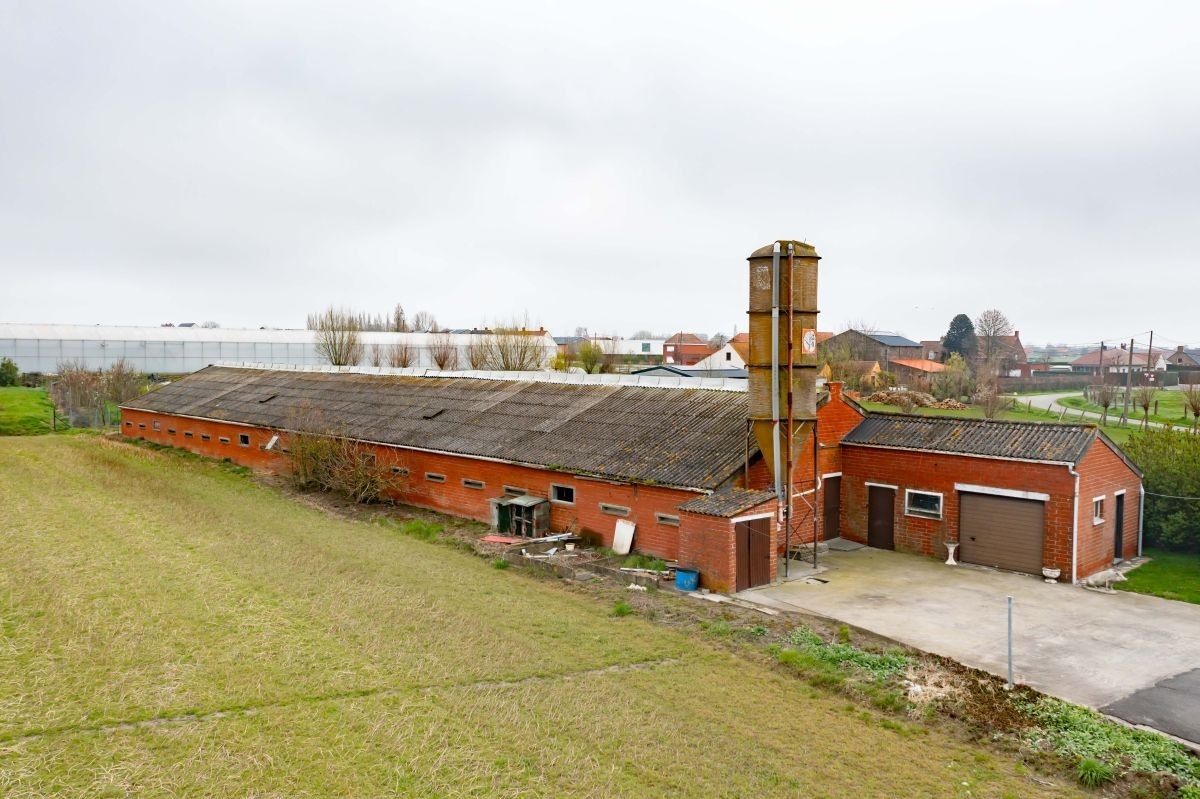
pixel 328 657
pixel 24 411
pixel 1170 575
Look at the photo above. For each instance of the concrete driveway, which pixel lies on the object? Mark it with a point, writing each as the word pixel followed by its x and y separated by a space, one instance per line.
pixel 1135 657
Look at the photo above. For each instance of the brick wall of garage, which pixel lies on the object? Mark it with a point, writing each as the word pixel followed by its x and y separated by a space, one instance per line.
pixel 1102 472
pixel 652 536
pixel 927 471
pixel 707 543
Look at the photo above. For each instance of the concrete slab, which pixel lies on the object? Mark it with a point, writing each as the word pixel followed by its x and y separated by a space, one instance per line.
pixel 1087 647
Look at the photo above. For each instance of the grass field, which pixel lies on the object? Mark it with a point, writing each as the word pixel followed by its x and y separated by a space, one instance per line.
pixel 1171 575
pixel 171 628
pixel 1170 409
pixel 24 411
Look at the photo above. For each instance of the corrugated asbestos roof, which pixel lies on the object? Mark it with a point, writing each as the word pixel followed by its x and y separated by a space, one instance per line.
pixel 1060 443
pixel 686 437
pixel 727 503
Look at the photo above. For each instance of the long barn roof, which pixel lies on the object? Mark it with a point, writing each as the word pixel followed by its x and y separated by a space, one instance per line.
pixel 1030 441
pixel 685 437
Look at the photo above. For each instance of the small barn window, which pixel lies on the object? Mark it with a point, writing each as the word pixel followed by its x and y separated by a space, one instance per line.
pixel 205 437
pixel 562 495
pixel 472 483
pixel 243 439
pixel 1098 510
pixel 224 439
pixel 667 519
pixel 923 503
pixel 400 470
pixel 129 424
pixel 141 425
pixel 170 431
pixel 514 491
pixel 614 510
pixel 434 477
pixel 187 434
pixel 156 425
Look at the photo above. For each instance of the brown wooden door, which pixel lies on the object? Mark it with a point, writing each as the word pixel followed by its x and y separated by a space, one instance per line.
pixel 753 548
pixel 1119 533
pixel 831 523
pixel 1004 532
pixel 881 517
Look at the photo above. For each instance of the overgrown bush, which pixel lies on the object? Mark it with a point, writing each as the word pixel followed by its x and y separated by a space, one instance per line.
pixel 10 375
pixel 1170 463
pixel 323 460
pixel 1093 773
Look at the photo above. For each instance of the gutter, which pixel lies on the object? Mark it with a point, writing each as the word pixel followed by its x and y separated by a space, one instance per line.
pixel 1075 530
pixel 1141 515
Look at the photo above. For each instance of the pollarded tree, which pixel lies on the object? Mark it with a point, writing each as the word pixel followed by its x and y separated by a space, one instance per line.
pixel 960 338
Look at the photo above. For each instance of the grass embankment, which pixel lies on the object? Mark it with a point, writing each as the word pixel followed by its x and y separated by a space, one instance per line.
pixel 1170 575
pixel 170 627
pixel 1023 413
pixel 24 411
pixel 1170 409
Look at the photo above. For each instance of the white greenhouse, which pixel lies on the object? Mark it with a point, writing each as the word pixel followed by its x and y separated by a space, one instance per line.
pixel 179 350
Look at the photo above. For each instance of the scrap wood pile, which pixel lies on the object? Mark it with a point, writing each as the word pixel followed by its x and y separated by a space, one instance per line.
pixel 914 399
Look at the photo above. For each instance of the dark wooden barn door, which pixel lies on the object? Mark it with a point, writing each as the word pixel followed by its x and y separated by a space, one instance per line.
pixel 833 508
pixel 753 548
pixel 881 517
pixel 1119 533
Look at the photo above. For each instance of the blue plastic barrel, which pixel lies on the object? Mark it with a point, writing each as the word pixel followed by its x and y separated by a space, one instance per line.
pixel 687 579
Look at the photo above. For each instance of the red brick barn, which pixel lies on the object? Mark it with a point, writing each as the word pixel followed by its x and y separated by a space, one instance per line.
pixel 1015 495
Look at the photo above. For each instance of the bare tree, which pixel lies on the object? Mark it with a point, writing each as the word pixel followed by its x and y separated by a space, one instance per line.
pixel 337 333
pixel 1105 395
pixel 988 397
pixel 514 348
pixel 376 351
pixel 990 329
pixel 1143 397
pixel 443 351
pixel 718 340
pixel 121 382
pixel 401 354
pixel 424 322
pixel 1191 396
pixel 209 324
pixel 399 320
pixel 644 333
pixel 477 353
pixel 591 357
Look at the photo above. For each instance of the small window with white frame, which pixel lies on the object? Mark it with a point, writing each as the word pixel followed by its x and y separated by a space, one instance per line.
pixel 435 477
pixel 561 494
pixel 667 519
pixel 515 491
pixel 614 510
pixel 1098 510
pixel 927 504
pixel 469 483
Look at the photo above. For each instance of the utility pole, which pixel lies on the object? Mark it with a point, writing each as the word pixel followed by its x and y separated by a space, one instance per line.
pixel 1150 361
pixel 1128 384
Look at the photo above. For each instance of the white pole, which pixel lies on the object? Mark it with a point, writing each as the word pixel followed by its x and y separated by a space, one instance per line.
pixel 1010 644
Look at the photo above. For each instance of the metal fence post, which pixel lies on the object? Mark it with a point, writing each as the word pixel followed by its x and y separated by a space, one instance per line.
pixel 1010 644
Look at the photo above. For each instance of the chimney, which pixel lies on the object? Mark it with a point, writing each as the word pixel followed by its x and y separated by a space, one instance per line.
pixel 783 283
pixel 835 389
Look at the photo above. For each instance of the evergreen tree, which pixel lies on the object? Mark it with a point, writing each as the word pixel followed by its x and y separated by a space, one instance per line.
pixel 960 338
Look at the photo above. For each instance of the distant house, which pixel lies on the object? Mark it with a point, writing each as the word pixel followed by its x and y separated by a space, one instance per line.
pixel 686 349
pixel 916 372
pixel 932 350
pixel 1184 358
pixel 881 347
pixel 1116 360
pixel 733 355
pixel 1007 352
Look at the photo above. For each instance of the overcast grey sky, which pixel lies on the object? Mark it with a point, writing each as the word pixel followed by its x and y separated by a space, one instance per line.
pixel 607 165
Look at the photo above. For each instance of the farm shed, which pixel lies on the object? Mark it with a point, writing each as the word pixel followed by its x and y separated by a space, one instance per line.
pixel 1014 495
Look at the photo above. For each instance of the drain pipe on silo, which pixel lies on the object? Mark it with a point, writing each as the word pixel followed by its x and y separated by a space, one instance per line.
pixel 775 380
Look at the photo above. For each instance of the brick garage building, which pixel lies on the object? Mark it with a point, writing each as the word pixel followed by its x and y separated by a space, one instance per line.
pixel 1015 495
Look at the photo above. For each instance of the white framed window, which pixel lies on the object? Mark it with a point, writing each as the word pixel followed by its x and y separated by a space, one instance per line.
pixel 434 477
pixel 469 483
pixel 927 504
pixel 614 510
pixel 667 519
pixel 243 439
pixel 1098 510
pixel 156 425
pixel 515 491
pixel 400 470
pixel 561 494
pixel 224 439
